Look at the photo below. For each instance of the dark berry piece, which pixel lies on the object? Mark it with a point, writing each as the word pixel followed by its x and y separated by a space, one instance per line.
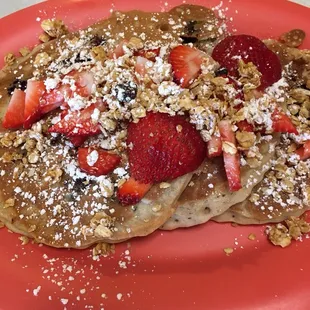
pixel 125 92
pixel 221 71
pixel 97 41
pixel 17 84
pixel 186 40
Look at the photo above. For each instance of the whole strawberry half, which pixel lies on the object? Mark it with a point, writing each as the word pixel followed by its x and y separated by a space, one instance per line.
pixel 163 147
pixel 250 49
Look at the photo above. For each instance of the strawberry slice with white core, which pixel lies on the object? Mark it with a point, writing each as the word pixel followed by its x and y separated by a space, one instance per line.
pixel 79 123
pixel 84 83
pixel 141 65
pixel 55 98
pixel 14 115
pixel 34 93
pixel 231 155
pixel 214 147
pixel 132 191
pixel 186 64
pixel 119 50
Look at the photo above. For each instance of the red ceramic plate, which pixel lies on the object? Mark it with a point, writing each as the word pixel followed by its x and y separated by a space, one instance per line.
pixel 184 269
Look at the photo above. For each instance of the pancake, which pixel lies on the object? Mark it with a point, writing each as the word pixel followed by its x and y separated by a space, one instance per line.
pixel 274 206
pixel 43 194
pixel 208 194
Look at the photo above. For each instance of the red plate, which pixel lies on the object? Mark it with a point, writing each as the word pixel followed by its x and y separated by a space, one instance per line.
pixel 184 269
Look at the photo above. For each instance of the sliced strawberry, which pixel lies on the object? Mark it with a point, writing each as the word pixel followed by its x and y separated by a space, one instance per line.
pixel 282 123
pixel 231 155
pixel 140 66
pixel 186 64
pixel 55 98
pixel 132 191
pixel 77 141
pixel 304 151
pixel 214 147
pixel 97 162
pixel 163 147
pixel 78 123
pixel 150 54
pixel 14 115
pixel 34 93
pixel 119 50
pixel 84 83
pixel 245 126
pixel 250 49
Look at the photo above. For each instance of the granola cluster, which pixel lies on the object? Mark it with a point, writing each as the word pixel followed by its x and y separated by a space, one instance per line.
pixel 282 234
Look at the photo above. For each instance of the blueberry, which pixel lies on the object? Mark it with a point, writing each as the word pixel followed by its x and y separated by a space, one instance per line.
pixel 221 71
pixel 17 84
pixel 125 92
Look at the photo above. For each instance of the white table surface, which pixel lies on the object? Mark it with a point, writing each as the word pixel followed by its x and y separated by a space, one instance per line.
pixel 10 6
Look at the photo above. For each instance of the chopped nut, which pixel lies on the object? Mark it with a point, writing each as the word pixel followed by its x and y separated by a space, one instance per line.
pixel 252 237
pixel 42 59
pixel 228 251
pixel 108 124
pixel 287 185
pixel 19 140
pixel 98 53
pixel 254 197
pixel 250 76
pixel 139 112
pixel 246 139
pixel 33 158
pixel 24 51
pixel 294 109
pixel 54 27
pixel 103 249
pixel 24 240
pixel 9 59
pixel 9 203
pixel 293 38
pixel 135 43
pixel 7 157
pixel 229 148
pixel 102 231
pixel 55 174
pixel 279 235
pixel 6 142
pixel 297 227
pixel 1 225
pixel 30 145
pixel 44 37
